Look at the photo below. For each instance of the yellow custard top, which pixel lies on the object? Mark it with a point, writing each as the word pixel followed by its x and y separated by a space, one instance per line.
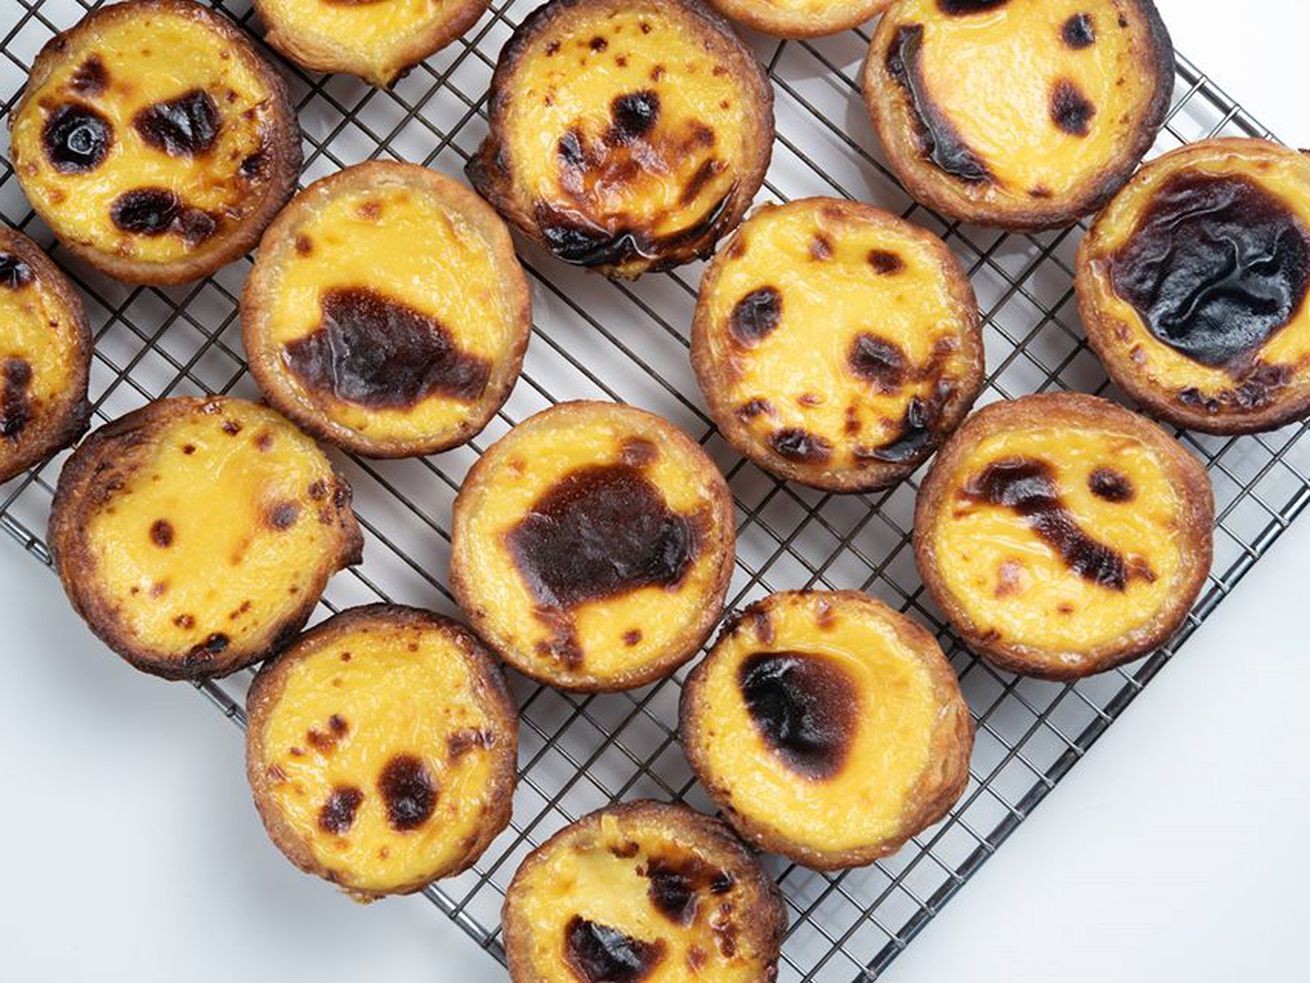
pixel 640 492
pixel 627 117
pixel 880 719
pixel 39 341
pixel 1045 93
pixel 152 100
pixel 827 320
pixel 385 268
pixel 361 25
pixel 1095 560
pixel 599 875
pixel 224 517
pixel 382 751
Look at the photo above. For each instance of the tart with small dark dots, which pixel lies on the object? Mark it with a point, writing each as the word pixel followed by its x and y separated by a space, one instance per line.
pixel 1192 284
pixel 592 546
pixel 381 749
pixel 155 141
pixel 45 356
pixel 195 535
pixel 1063 535
pixel 378 41
pixel 1023 114
pixel 836 344
pixel 386 311
pixel 626 135
pixel 800 18
pixel 827 727
pixel 643 891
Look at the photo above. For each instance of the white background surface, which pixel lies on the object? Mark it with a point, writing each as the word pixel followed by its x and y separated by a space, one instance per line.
pixel 132 851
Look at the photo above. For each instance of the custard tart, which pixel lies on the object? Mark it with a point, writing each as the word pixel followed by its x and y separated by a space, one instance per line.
pixel 386 311
pixel 643 891
pixel 378 40
pixel 592 546
pixel 827 727
pixel 1192 284
pixel 800 18
pixel 836 344
pixel 381 750
pixel 195 535
pixel 1023 114
pixel 626 135
pixel 45 356
pixel 154 140
pixel 1063 535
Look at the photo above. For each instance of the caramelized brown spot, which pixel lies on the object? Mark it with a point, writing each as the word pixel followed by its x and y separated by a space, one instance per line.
pixel 15 397
pixel 185 621
pixel 878 361
pixel 957 8
pixel 188 449
pixel 598 44
pixel 91 77
pixel 338 812
pixel 1009 578
pixel 1111 485
pixel 820 247
pixel 676 887
pixel 377 352
pixel 155 211
pixel 633 115
pixel 369 211
pixel 1071 111
pixel 283 515
pixel 810 399
pixel 304 245
pixel 801 446
pixel 885 263
pixel 14 273
pixel 161 533
pixel 756 315
pixel 599 954
pixel 215 644
pixel 638 452
pixel 1079 32
pixel 703 175
pixel 183 127
pixel 231 427
pixel 317 490
pixel 753 408
pixel 917 435
pixel 76 138
pixel 631 637
pixel 461 742
pixel 805 706
pixel 409 792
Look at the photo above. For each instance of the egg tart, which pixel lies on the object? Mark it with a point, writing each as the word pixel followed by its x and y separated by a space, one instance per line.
pixel 154 140
pixel 800 18
pixel 195 535
pixel 643 891
pixel 378 40
pixel 381 750
pixel 386 311
pixel 626 135
pixel 592 546
pixel 1192 284
pixel 45 356
pixel 827 727
pixel 836 344
pixel 1023 114
pixel 1063 535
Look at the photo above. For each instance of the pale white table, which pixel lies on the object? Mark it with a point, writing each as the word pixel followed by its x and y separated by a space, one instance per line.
pixel 1174 851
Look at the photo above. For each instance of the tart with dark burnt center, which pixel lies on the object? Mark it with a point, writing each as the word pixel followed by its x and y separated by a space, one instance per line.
pixel 1192 284
pixel 381 750
pixel 378 40
pixel 827 727
pixel 643 891
pixel 196 535
pixel 155 141
pixel 1063 535
pixel 626 135
pixel 45 356
pixel 836 343
pixel 800 18
pixel 592 546
pixel 386 311
pixel 1024 114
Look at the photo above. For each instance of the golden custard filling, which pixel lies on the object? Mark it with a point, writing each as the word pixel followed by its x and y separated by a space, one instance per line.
pixel 388 312
pixel 588 544
pixel 1032 99
pixel 379 752
pixel 361 25
pixel 611 900
pixel 847 783
pixel 219 525
pixel 38 341
pixel 631 120
pixel 146 139
pixel 825 328
pixel 1061 539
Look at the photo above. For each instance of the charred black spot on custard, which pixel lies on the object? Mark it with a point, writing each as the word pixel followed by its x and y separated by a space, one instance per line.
pixel 600 531
pixel 161 533
pixel 376 352
pixel 878 361
pixel 1028 488
pixel 156 211
pixel 634 115
pixel 937 137
pixel 599 954
pixel 91 77
pixel 14 272
pixel 956 8
pixel 885 263
pixel 756 315
pixel 15 397
pixel 1079 32
pixel 752 408
pixel 820 247
pixel 215 644
pixel 338 813
pixel 408 791
pixel 1215 267
pixel 677 886
pixel 283 515
pixel 805 706
pixel 1071 111
pixel 917 434
pixel 76 138
pixel 801 446
pixel 1111 485
pixel 183 127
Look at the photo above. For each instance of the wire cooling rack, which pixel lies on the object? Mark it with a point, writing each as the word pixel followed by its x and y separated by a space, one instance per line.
pixel 597 339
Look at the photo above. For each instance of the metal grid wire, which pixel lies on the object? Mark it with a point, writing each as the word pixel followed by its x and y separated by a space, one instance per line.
pixel 596 339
